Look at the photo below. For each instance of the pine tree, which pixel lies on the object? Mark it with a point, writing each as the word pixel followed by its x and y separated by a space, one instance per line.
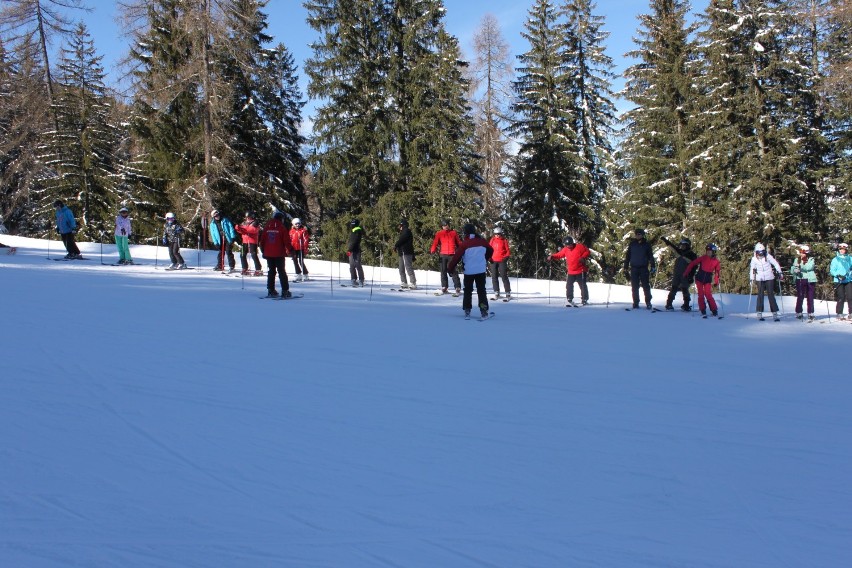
pixel 548 197
pixel 81 151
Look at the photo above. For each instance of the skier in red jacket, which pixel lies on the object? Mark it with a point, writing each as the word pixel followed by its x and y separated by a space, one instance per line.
pixel 249 230
pixel 300 239
pixel 275 246
pixel 448 241
pixel 576 257
pixel 707 275
pixel 500 264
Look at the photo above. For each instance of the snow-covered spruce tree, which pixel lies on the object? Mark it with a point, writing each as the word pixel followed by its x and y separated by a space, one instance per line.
pixel 263 162
pixel 659 128
pixel 80 153
pixel 492 74
pixel 24 118
pixel 747 184
pixel 548 196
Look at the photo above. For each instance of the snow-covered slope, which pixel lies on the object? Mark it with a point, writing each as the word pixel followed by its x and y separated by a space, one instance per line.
pixel 172 419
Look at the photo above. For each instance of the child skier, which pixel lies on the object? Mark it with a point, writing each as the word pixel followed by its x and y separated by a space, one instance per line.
pixel 122 234
pixel 804 272
pixel 707 276
pixel 171 239
pixel 249 231
pixel 500 263
pixel 841 271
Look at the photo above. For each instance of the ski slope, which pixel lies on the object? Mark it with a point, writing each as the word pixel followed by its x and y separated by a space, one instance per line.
pixel 171 419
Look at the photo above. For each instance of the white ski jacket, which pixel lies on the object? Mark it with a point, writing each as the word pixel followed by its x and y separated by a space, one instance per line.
pixel 764 267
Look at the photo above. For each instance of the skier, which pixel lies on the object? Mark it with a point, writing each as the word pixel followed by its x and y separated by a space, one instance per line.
pixel 500 263
pixel 763 267
pixel 841 270
pixel 353 251
pixel 576 257
pixel 476 253
pixel 222 235
pixel 66 226
pixel 171 238
pixel 707 276
pixel 249 231
pixel 679 283
pixel 639 265
pixel 122 234
pixel 404 246
pixel 275 246
pixel 804 272
pixel 300 239
pixel 447 240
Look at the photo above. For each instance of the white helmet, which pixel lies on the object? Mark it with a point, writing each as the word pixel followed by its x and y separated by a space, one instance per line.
pixel 759 247
pixel 805 249
pixel 170 215
pixel 498 231
pixel 297 221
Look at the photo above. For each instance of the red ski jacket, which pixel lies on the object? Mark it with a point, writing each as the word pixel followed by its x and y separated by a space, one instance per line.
pixel 275 240
pixel 449 241
pixel 300 239
pixel 250 232
pixel 574 258
pixel 501 248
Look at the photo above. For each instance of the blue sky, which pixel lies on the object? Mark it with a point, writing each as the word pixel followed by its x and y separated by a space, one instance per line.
pixel 287 24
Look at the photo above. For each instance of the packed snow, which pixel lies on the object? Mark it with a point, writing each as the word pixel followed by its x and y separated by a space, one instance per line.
pixel 173 419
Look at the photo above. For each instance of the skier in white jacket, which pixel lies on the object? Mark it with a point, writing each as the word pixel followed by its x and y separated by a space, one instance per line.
pixel 762 272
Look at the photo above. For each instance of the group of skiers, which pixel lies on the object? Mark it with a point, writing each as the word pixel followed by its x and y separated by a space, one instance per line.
pixel 276 241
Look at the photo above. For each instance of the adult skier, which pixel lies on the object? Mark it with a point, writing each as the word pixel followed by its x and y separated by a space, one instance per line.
pixel 500 263
pixel 841 271
pixel 300 239
pixel 249 231
pixel 275 246
pixel 685 255
pixel 222 235
pixel 762 270
pixel 446 242
pixel 576 257
pixel 640 265
pixel 476 253
pixel 66 226
pixel 353 251
pixel 171 239
pixel 706 277
pixel 404 246
pixel 804 272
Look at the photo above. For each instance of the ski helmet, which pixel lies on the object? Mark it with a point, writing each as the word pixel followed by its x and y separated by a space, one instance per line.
pixel 297 221
pixel 445 223
pixel 403 223
pixel 58 203
pixel 469 229
pixel 805 249
pixel 639 232
pixel 843 246
pixel 712 248
pixel 354 223
pixel 170 215
pixel 759 247
pixel 251 215
pixel 123 210
pixel 568 241
pixel 686 242
pixel 278 215
pixel 215 213
pixel 498 231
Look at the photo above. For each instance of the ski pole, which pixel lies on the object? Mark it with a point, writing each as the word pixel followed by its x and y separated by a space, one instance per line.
pixel 156 249
pixel 102 247
pixel 750 291
pixel 49 238
pixel 549 278
pixel 721 297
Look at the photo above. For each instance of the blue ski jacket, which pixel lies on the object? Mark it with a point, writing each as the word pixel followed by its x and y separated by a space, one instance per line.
pixel 841 266
pixel 65 220
pixel 227 228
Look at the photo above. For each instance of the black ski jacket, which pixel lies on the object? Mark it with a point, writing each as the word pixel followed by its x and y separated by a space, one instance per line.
pixel 639 253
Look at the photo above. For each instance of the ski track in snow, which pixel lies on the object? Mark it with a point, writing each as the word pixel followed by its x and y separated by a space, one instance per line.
pixel 153 419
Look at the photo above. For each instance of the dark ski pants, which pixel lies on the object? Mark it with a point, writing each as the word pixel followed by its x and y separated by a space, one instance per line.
pixel 500 271
pixel 356 271
pixel 844 295
pixel 445 281
pixel 70 244
pixel 805 289
pixel 174 252
pixel 584 288
pixel 406 265
pixel 220 264
pixel 768 287
pixel 299 262
pixel 249 249
pixel 639 275
pixel 679 284
pixel 482 295
pixel 276 264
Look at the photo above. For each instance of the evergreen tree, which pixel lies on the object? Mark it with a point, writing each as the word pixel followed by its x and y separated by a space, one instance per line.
pixel 549 194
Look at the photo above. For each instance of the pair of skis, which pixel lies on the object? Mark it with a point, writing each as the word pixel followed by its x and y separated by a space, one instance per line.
pixel 481 318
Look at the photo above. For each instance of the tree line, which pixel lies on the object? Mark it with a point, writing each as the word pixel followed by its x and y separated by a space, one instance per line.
pixel 736 128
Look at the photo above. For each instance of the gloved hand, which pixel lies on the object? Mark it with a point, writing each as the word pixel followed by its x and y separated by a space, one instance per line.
pixel 841 278
pixel 780 276
pixel 123 232
pixel 165 241
pixel 57 231
pixel 716 282
pixel 653 270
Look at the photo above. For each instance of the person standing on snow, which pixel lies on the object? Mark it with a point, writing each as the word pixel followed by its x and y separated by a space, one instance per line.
pixel 353 251
pixel 447 240
pixel 249 231
pixel 639 265
pixel 122 234
pixel 679 283
pixel 804 271
pixel 476 253
pixel 275 246
pixel 300 240
pixel 223 235
pixel 500 263
pixel 576 257
pixel 707 276
pixel 404 246
pixel 171 239
pixel 841 271
pixel 66 226
pixel 762 270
